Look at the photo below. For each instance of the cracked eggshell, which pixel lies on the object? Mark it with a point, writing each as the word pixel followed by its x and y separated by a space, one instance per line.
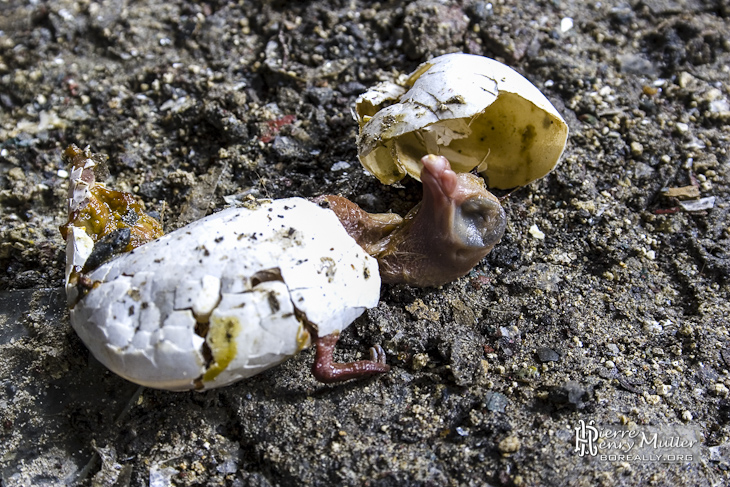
pixel 78 249
pixel 473 110
pixel 226 297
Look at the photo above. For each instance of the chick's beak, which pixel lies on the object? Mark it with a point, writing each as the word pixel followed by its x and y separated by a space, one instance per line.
pixel 439 181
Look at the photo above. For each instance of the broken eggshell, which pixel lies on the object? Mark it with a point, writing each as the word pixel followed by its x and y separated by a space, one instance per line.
pixel 223 298
pixel 473 110
pixel 101 221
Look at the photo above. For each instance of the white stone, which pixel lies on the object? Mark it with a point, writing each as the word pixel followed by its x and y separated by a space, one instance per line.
pixel 566 24
pixel 536 232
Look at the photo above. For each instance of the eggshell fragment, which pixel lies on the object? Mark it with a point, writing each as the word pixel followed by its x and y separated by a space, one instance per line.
pixel 473 110
pixel 78 249
pixel 226 297
pixel 95 214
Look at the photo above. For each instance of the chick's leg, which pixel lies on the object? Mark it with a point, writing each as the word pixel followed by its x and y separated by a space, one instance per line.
pixel 327 371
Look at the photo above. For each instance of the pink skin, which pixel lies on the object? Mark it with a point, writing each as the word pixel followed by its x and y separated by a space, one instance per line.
pixel 439 177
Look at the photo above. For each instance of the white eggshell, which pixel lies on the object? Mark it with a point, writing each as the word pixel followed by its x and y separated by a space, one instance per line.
pixel 225 297
pixel 370 102
pixel 473 110
pixel 78 249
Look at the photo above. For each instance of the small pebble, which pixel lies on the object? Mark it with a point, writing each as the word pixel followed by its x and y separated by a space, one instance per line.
pixel 420 360
pixel 536 232
pixel 340 166
pixel 653 399
pixel 637 149
pixel 571 393
pixel 685 79
pixel 496 402
pixel 566 24
pixel 509 445
pixel 652 327
pixel 546 354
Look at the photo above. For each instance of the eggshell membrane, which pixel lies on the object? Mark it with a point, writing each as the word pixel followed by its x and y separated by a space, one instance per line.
pixel 475 111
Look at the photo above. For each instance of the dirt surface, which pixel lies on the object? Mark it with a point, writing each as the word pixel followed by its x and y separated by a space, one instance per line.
pixel 613 309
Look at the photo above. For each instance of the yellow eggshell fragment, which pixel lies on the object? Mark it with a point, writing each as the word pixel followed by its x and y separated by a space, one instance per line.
pixel 473 110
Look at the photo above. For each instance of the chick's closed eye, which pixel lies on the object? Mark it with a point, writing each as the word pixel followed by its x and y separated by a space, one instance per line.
pixel 479 222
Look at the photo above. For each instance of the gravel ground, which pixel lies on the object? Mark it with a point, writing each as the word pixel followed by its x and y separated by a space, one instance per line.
pixel 618 314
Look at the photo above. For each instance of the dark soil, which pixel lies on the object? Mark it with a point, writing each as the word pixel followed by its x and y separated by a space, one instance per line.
pixel 619 314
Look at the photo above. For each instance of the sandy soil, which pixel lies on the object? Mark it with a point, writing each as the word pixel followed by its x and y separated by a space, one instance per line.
pixel 618 315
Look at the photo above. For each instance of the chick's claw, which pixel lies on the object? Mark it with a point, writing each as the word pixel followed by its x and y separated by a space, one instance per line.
pixel 327 371
pixel 377 354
